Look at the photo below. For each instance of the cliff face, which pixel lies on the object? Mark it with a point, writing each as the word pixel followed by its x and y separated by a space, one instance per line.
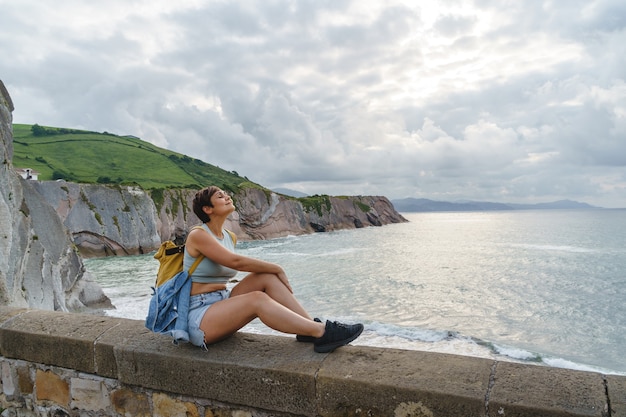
pixel 38 265
pixel 113 220
pixel 104 220
pixel 262 216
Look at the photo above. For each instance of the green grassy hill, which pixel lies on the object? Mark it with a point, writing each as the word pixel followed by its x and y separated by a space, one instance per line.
pixel 91 157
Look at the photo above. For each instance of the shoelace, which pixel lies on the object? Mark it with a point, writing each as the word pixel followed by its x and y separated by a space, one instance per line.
pixel 339 325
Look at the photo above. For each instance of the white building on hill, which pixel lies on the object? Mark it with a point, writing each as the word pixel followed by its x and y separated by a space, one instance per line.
pixel 28 173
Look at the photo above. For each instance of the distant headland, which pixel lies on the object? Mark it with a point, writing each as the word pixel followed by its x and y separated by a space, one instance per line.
pixel 426 205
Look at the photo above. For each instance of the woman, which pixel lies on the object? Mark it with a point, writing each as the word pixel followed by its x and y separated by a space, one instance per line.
pixel 216 313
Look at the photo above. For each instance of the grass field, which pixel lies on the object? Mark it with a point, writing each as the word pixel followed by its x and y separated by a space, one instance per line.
pixel 92 157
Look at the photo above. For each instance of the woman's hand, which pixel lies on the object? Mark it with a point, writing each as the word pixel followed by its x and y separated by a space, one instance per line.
pixel 283 278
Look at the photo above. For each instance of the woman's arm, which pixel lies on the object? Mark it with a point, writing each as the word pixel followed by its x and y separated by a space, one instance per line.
pixel 200 242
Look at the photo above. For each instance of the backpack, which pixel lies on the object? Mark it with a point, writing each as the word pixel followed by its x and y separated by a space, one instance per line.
pixel 170 257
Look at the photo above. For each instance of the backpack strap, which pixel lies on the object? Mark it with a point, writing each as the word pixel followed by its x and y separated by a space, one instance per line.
pixel 233 236
pixel 198 259
pixel 195 264
pixel 175 250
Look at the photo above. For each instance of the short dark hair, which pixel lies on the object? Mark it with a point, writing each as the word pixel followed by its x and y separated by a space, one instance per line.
pixel 202 199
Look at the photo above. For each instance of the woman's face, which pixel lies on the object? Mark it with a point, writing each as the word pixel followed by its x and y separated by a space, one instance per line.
pixel 222 203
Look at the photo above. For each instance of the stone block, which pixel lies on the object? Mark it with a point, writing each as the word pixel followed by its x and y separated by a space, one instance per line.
pixel 89 394
pixel 129 403
pixel 8 379
pixel 152 361
pixel 51 387
pixel 166 406
pixel 530 390
pixel 24 378
pixel 357 380
pixel 616 391
pixel 116 336
pixel 54 338
pixel 270 372
pixel 6 313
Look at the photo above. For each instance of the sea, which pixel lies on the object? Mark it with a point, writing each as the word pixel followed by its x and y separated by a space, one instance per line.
pixel 546 287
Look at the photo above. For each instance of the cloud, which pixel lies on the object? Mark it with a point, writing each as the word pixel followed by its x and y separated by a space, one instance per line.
pixel 500 101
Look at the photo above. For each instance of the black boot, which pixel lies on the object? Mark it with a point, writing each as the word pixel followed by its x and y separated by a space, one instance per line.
pixel 336 335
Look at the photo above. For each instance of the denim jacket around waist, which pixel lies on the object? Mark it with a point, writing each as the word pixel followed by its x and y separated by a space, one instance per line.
pixel 169 308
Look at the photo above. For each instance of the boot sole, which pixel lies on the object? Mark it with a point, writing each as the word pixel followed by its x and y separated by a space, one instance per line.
pixel 305 339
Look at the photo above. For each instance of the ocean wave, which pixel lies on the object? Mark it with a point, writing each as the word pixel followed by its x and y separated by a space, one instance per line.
pixel 451 342
pixel 554 362
pixel 559 248
pixel 411 333
pixel 514 353
pixel 268 252
pixel 566 364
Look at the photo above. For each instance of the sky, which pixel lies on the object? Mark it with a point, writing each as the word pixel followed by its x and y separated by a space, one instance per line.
pixel 504 101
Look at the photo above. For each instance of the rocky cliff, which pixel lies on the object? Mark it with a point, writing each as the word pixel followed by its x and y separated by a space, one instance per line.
pixel 117 220
pixel 39 267
pixel 104 220
pixel 268 215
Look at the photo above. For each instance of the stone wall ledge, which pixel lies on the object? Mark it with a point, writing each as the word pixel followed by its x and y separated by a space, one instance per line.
pixel 279 376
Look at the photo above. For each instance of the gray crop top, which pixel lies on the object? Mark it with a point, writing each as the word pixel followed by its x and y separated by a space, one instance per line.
pixel 209 272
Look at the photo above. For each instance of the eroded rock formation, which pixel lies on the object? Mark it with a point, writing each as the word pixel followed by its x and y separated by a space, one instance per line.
pixel 39 267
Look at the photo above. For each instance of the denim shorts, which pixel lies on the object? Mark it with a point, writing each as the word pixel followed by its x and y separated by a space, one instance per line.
pixel 198 305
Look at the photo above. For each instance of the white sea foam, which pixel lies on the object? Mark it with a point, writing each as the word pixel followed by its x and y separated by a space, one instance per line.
pixel 564 363
pixel 558 248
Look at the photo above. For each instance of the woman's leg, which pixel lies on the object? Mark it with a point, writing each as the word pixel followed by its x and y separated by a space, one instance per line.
pixel 272 286
pixel 225 317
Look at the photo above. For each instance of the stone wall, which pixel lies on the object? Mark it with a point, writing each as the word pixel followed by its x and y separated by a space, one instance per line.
pixel 60 364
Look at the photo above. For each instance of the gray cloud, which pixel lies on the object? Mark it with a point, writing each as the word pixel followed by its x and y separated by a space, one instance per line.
pixel 519 102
